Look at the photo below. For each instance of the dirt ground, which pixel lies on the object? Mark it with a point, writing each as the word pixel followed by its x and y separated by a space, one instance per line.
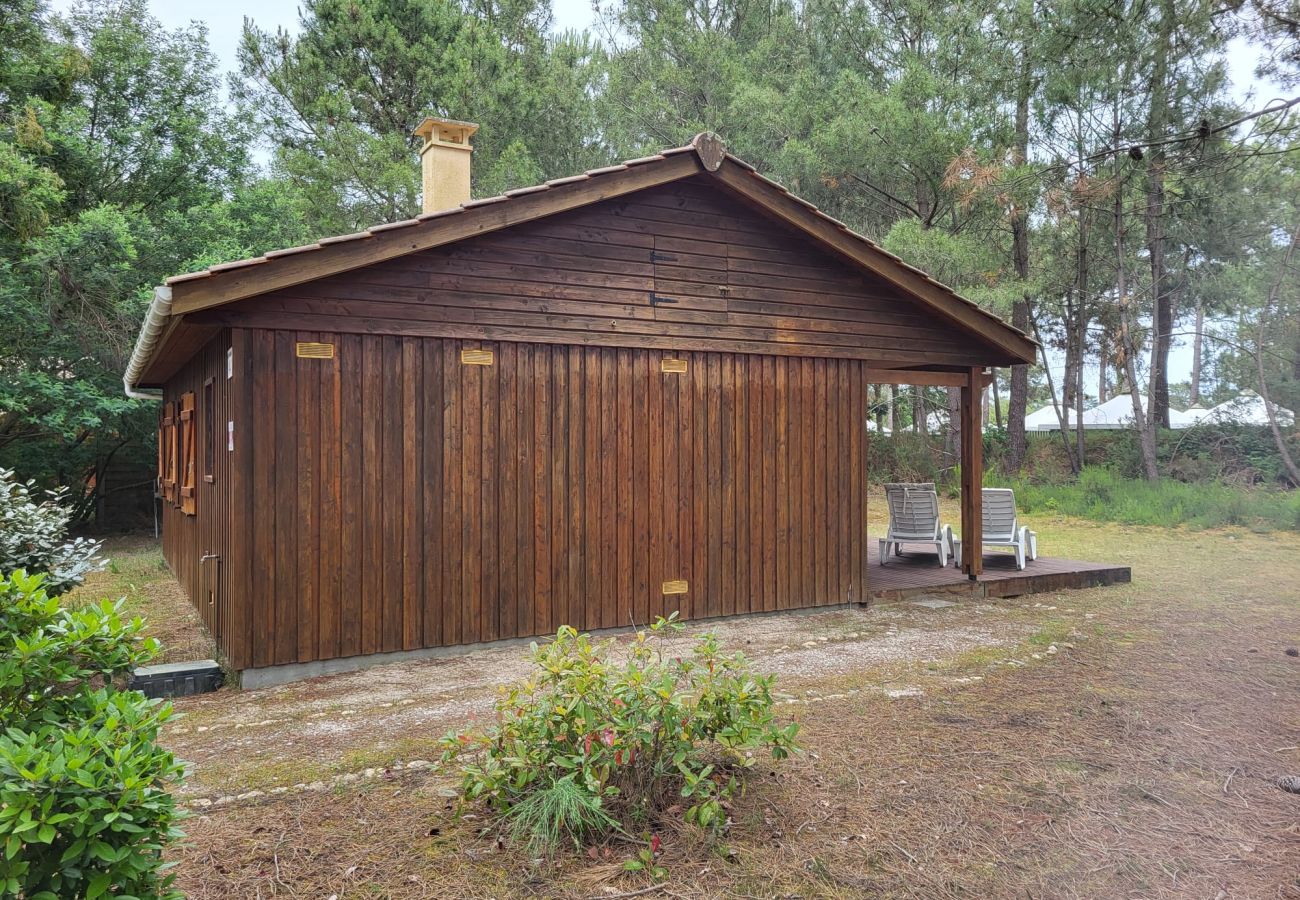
pixel 1120 742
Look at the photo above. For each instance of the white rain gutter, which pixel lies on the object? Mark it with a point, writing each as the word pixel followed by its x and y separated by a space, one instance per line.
pixel 154 322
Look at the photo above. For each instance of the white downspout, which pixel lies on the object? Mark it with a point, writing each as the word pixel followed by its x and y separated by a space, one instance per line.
pixel 154 322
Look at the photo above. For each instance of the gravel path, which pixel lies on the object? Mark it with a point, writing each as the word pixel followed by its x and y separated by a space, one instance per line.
pixel 276 737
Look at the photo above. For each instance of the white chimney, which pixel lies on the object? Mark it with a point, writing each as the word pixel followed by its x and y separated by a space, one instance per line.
pixel 444 162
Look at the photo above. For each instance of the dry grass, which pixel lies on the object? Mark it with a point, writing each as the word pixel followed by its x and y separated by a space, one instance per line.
pixel 138 574
pixel 1137 760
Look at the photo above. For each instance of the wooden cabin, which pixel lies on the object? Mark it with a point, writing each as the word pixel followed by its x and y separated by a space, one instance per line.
pixel 590 402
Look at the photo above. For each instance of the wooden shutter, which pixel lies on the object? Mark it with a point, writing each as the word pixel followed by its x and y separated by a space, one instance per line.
pixel 187 453
pixel 168 451
pixel 162 452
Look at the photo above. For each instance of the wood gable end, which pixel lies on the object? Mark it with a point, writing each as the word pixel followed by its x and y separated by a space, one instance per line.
pixel 929 313
pixel 686 265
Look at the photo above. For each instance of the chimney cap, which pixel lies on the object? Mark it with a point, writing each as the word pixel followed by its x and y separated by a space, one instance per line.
pixel 450 131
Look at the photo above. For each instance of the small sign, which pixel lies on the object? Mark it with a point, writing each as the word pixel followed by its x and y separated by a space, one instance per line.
pixel 673 366
pixel 230 362
pixel 674 587
pixel 230 436
pixel 476 357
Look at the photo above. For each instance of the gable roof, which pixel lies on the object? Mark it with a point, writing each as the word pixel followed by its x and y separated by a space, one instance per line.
pixel 232 281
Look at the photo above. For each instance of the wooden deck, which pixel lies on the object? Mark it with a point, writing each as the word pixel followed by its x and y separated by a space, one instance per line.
pixel 916 573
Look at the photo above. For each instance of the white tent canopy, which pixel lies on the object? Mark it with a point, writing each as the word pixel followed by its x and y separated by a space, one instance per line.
pixel 1246 409
pixel 1117 412
pixel 1045 419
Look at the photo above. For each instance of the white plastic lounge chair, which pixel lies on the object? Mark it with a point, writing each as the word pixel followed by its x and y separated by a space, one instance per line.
pixel 914 519
pixel 1002 528
pixel 900 487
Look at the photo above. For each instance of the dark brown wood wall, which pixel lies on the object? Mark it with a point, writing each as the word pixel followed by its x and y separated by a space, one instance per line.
pixel 401 498
pixel 217 518
pixel 739 282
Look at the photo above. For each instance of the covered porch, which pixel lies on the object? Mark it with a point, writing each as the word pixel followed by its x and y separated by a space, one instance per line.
pixel 977 573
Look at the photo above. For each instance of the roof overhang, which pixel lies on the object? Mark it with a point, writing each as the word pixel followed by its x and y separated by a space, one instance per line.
pixel 163 343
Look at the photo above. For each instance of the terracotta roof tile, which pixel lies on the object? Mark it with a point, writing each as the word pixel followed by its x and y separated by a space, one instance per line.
pixel 393 226
pixel 439 213
pixel 188 276
pixel 291 251
pixel 238 264
pixel 345 238
pixel 486 201
pixel 556 182
pixel 520 192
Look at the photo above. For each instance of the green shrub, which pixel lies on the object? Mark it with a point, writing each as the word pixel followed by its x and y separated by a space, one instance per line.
pixel 904 456
pixel 590 746
pixel 85 809
pixel 1104 495
pixel 33 537
pixel 1232 454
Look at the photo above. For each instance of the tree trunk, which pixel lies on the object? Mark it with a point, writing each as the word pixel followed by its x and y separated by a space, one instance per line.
pixel 1197 349
pixel 1162 324
pixel 1019 401
pixel 1080 331
pixel 1103 366
pixel 1073 355
pixel 1292 470
pixel 1162 314
pixel 1051 389
pixel 997 401
pixel 952 438
pixel 1146 437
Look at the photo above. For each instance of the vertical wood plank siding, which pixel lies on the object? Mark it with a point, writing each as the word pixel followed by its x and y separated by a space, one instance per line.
pixel 418 501
pixel 203 550
pixel 393 497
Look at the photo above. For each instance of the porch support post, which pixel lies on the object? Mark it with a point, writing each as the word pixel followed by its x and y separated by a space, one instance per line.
pixel 972 475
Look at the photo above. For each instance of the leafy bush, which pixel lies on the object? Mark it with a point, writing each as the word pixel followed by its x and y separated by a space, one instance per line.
pixel 1108 496
pixel 33 537
pixel 904 456
pixel 85 809
pixel 1232 454
pixel 591 746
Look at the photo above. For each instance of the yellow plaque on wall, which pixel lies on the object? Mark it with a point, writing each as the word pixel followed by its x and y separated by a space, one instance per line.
pixel 674 587
pixel 314 350
pixel 476 357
